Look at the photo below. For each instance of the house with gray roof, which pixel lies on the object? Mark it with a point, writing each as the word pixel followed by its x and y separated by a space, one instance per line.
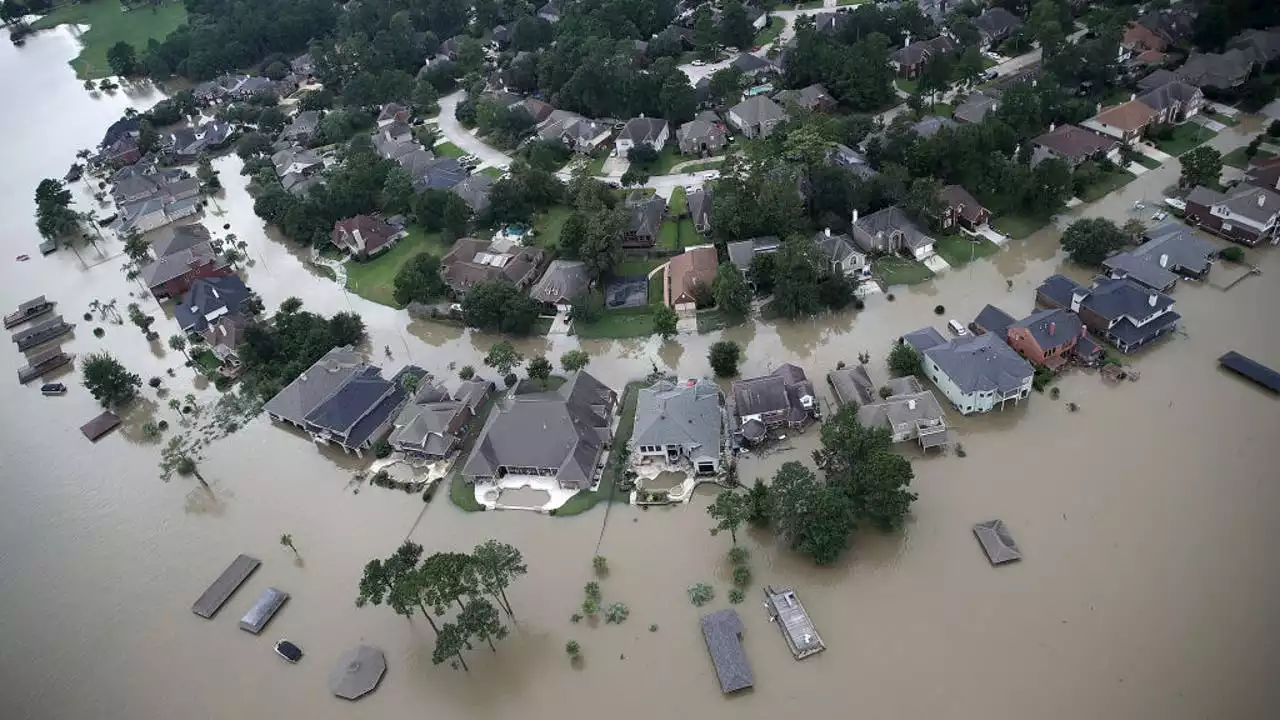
pixel 1073 145
pixel 472 260
pixel 932 125
pixel 1262 45
pixel 1171 251
pixel 172 274
pixel 306 392
pixel 699 202
pixel 1156 79
pixel 576 132
pixel 184 143
pixel 842 255
pixel 1173 101
pixel 756 116
pixel 742 252
pixel 181 237
pixel 1120 311
pixel 977 373
pixel 302 128
pixel 653 132
pixel 679 425
pixel 996 25
pixel 209 299
pixel 1221 71
pixel 432 424
pixel 753 66
pixel 723 632
pixel 295 160
pixel 783 398
pixel 889 231
pixel 563 281
pixel 1246 214
pixel 814 98
pixel 975 107
pixel 442 173
pixel 647 213
pixel 703 135
pixel 359 412
pixel 561 433
pixel 851 160
pixel 911 58
pixel 992 319
pixel 474 191
pixel 908 411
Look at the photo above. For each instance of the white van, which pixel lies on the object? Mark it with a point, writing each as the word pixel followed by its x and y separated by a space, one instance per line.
pixel 956 327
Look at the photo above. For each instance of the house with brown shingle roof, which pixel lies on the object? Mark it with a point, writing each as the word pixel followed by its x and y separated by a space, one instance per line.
pixel 1073 145
pixel 363 236
pixel 472 261
pixel 696 266
pixel 962 209
pixel 1125 122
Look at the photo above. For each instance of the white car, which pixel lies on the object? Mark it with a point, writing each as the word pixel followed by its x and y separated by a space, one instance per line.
pixel 957 328
pixel 711 174
pixel 698 63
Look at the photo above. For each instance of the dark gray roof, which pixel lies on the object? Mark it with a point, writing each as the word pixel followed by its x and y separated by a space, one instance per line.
pixel 852 160
pixel 1157 79
pixel 1114 299
pixel 993 320
pixel 723 631
pixel 1059 289
pixel 932 125
pixel 1258 204
pixel 208 299
pixel 1201 195
pixel 835 247
pixel 1217 70
pixel 1263 44
pixel 780 390
pixel 647 215
pixel 699 202
pixel 981 363
pixel 563 280
pixel 748 63
pixel 474 191
pixel 1170 248
pixel 687 414
pixel 1052 327
pixel 924 338
pixel 852 384
pixel 642 129
pixel 996 541
pixel 176 264
pixel 920 50
pixel 565 429
pixel 876 231
pixel 343 409
pixel 443 173
pixel 809 97
pixel 314 386
pixel 182 237
pixel 997 22
pixel 975 108
pixel 757 110
pixel 1169 94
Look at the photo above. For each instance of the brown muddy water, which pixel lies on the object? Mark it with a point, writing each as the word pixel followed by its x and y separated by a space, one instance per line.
pixel 1148 589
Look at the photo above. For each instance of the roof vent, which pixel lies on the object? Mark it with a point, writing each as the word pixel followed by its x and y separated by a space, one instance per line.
pixel 911 404
pixel 1164 260
pixel 1262 199
pixel 1152 300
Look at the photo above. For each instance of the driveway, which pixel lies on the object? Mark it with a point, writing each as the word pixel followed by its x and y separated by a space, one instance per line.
pixel 453 132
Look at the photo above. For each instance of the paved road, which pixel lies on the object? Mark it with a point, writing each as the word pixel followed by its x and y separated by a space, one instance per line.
pixel 458 135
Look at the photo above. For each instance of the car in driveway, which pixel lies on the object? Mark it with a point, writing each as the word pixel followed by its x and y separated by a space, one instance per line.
pixel 698 63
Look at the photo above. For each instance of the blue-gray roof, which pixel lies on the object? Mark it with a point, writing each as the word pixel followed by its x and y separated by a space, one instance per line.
pixel 722 631
pixel 687 415
pixel 1113 299
pixel 1051 328
pixel 1171 248
pixel 981 364
pixel 210 298
pixel 924 338
pixel 1133 335
pixel 1059 289
pixel 993 320
pixel 344 408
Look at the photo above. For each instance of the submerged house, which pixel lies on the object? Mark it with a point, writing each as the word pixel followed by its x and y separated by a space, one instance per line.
pixel 783 398
pixel 908 411
pixel 1246 214
pixel 1171 251
pixel 432 424
pixel 561 433
pixel 677 424
pixel 977 374
pixel 1121 311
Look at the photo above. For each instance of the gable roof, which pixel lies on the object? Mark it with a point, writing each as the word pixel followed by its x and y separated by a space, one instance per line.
pixel 643 130
pixel 932 125
pixel 921 50
pixel 699 202
pixel 1264 45
pixel 182 237
pixel 975 108
pixel 1169 94
pixel 1075 142
pixel 472 261
pixel 748 63
pixel 208 299
pixel 563 429
pixel 836 248
pixel 646 214
pixel 687 414
pixel 178 263
pixel 363 233
pixel 778 391
pixel 688 269
pixel 315 384
pixel 993 320
pixel 1113 299
pixel 996 22
pixel 851 160
pixel 1217 70
pixel 852 384
pixel 874 231
pixel 721 630
pixel 1052 327
pixel 564 280
pixel 1128 116
pixel 981 363
pixel 1059 289
pixel 957 197
pixel 810 97
pixel 757 110
pixel 474 191
pixel 1158 78
pixel 1169 247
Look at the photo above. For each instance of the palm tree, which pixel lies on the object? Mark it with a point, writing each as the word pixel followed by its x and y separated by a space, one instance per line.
pixel 187 466
pixel 287 541
pixel 174 404
pixel 178 342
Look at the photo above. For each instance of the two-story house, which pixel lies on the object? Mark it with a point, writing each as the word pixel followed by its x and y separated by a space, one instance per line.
pixel 961 209
pixel 890 230
pixel 1173 101
pixel 842 255
pixel 1125 122
pixel 1120 311
pixel 1073 145
pixel 679 424
pixel 977 373
pixel 1047 337
pixel 783 398
pixel 652 132
pixel 1171 251
pixel 432 424
pixel 756 116
pixel 910 59
pixel 1246 214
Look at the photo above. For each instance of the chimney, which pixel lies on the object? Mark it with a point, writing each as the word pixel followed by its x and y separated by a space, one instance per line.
pixel 1052 127
pixel 1076 299
pixel 1164 260
pixel 1262 199
pixel 911 404
pixel 1152 300
pixel 1052 327
pixel 906 40
pixel 827 231
pixel 855 216
pixel 1133 96
pixel 1098 109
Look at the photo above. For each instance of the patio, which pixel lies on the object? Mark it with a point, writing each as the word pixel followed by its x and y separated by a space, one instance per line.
pixel 523 492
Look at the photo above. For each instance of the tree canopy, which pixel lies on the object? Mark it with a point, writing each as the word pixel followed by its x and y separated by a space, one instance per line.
pixel 275 353
pixel 499 306
pixel 724 357
pixel 1090 240
pixel 419 280
pixel 110 383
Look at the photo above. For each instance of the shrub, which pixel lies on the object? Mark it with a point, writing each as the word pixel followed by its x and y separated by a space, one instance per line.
pixel 736 596
pixel 653 627
pixel 741 575
pixel 381 449
pixel 154 382
pixel 99 332
pixel 724 357
pixel 701 593
pixel 164 425
pixel 88 317
pixel 1054 393
pixel 592 590
pixel 960 451
pixel 889 297
pixel 738 555
pixel 575 618
pixel 939 310
pixel 467 372
pixel 600 564
pixel 885 392
pixel 510 379
pixel 859 304
pixel 617 614
pixel 590 607
pixel 904 360
pixel 573 648
pixel 1232 254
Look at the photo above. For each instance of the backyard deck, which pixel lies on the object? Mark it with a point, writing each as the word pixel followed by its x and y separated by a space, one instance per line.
pixel 225 586
pixel 32 308
pixel 42 332
pixel 794 622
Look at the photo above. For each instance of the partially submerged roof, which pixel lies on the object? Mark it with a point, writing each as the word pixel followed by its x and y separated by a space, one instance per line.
pixel 997 542
pixel 685 414
pixel 981 363
pixel 852 384
pixel 313 386
pixel 1052 327
pixel 723 631
pixel 100 425
pixel 993 320
pixel 693 267
pixel 358 672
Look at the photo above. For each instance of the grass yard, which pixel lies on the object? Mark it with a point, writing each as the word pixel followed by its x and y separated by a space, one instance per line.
pixel 374 279
pixel 894 270
pixel 109 24
pixel 1185 136
pixel 1228 121
pixel 1106 183
pixel 1237 159
pixel 657 284
pixel 667 159
pixel 689 234
pixel 1018 226
pixel 942 109
pixel 678 204
pixel 958 249
pixel 461 492
pixel 548 224
pixel 448 149
pixel 699 167
pixel 636 268
pixel 596 166
pixel 908 86
pixel 770 32
pixel 1147 162
pixel 613 470
pixel 493 172
pixel 711 320
pixel 618 325
pixel 669 235
pixel 206 361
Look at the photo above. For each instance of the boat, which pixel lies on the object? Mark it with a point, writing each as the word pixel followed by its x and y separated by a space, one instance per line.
pixel 53 389
pixel 288 651
pixel 263 610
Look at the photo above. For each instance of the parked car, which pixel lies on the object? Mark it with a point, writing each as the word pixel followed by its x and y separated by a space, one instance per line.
pixel 699 63
pixel 288 651
pixel 956 328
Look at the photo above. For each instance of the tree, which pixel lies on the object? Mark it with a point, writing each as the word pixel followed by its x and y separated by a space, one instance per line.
pixel 479 618
pixel 600 564
pixel 735 29
pixel 539 368
pixel 665 322
pixel 108 381
pixel 286 540
pixel 466 373
pixel 497 565
pixel 574 360
pixel 397 191
pixel 1089 241
pixel 178 342
pixel 904 360
pixel 451 640
pixel 797 274
pixel 419 280
pixel 206 174
pixel 122 58
pixel 725 85
pixel 1201 166
pixel 724 358
pixel 573 649
pixel 136 247
pixel 922 203
pixel 499 306
pixel 762 271
pixel 817 519
pixel 503 357
pixel 759 504
pixel 732 294
pixel 729 510
pixel 859 461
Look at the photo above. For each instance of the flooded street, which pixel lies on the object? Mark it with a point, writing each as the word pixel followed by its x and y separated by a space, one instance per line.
pixel 1148 587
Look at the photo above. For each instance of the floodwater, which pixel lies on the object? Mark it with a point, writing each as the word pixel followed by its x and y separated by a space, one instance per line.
pixel 1146 519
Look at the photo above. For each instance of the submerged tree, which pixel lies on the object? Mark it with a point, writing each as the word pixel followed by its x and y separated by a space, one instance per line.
pixel 497 565
pixel 729 510
pixel 108 381
pixel 397 581
pixel 574 360
pixel 286 540
pixel 479 618
pixel 451 640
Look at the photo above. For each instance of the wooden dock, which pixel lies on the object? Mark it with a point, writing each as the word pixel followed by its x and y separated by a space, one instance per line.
pixel 794 622
pixel 32 308
pixel 41 362
pixel 42 332
pixel 225 586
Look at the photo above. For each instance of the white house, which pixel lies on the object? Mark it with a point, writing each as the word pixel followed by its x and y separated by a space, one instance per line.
pixel 653 132
pixel 977 374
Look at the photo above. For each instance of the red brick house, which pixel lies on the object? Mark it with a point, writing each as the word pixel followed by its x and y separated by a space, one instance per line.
pixel 1139 38
pixel 172 275
pixel 1047 338
pixel 962 209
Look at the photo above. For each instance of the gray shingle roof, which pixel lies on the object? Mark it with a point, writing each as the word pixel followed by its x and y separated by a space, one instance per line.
pixel 1157 79
pixel 997 542
pixel 993 320
pixel 314 386
pixel 852 384
pixel 1113 299
pixel 748 63
pixel 343 409
pixel 214 296
pixel 835 248
pixel 1059 289
pixel 1168 95
pixel 642 129
pixel 182 237
pixel 699 202
pixel 1171 248
pixel 877 230
pixel 563 280
pixel 758 109
pixel 1217 70
pixel 1051 328
pixel 474 191
pixel 981 363
pixel 687 415
pixel 975 108
pixel 723 630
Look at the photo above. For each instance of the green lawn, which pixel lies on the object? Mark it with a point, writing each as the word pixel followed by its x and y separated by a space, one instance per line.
pixel 699 167
pixel 461 492
pixel 1228 121
pixel 689 234
pixel 614 469
pixel 493 172
pixel 769 32
pixel 636 268
pixel 669 235
pixel 657 283
pixel 1106 183
pixel 908 86
pixel 618 325
pixel 712 319
pixel 1147 161
pixel 678 204
pixel 596 166
pixel 448 149
pixel 941 110
pixel 1018 226
pixel 1185 136
pixel 667 159
pixel 894 270
pixel 1237 159
pixel 958 249
pixel 811 5
pixel 547 226
pixel 373 279
pixel 206 361
pixel 109 24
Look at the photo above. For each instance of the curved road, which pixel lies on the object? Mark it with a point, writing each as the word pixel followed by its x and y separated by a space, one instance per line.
pixel 460 136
